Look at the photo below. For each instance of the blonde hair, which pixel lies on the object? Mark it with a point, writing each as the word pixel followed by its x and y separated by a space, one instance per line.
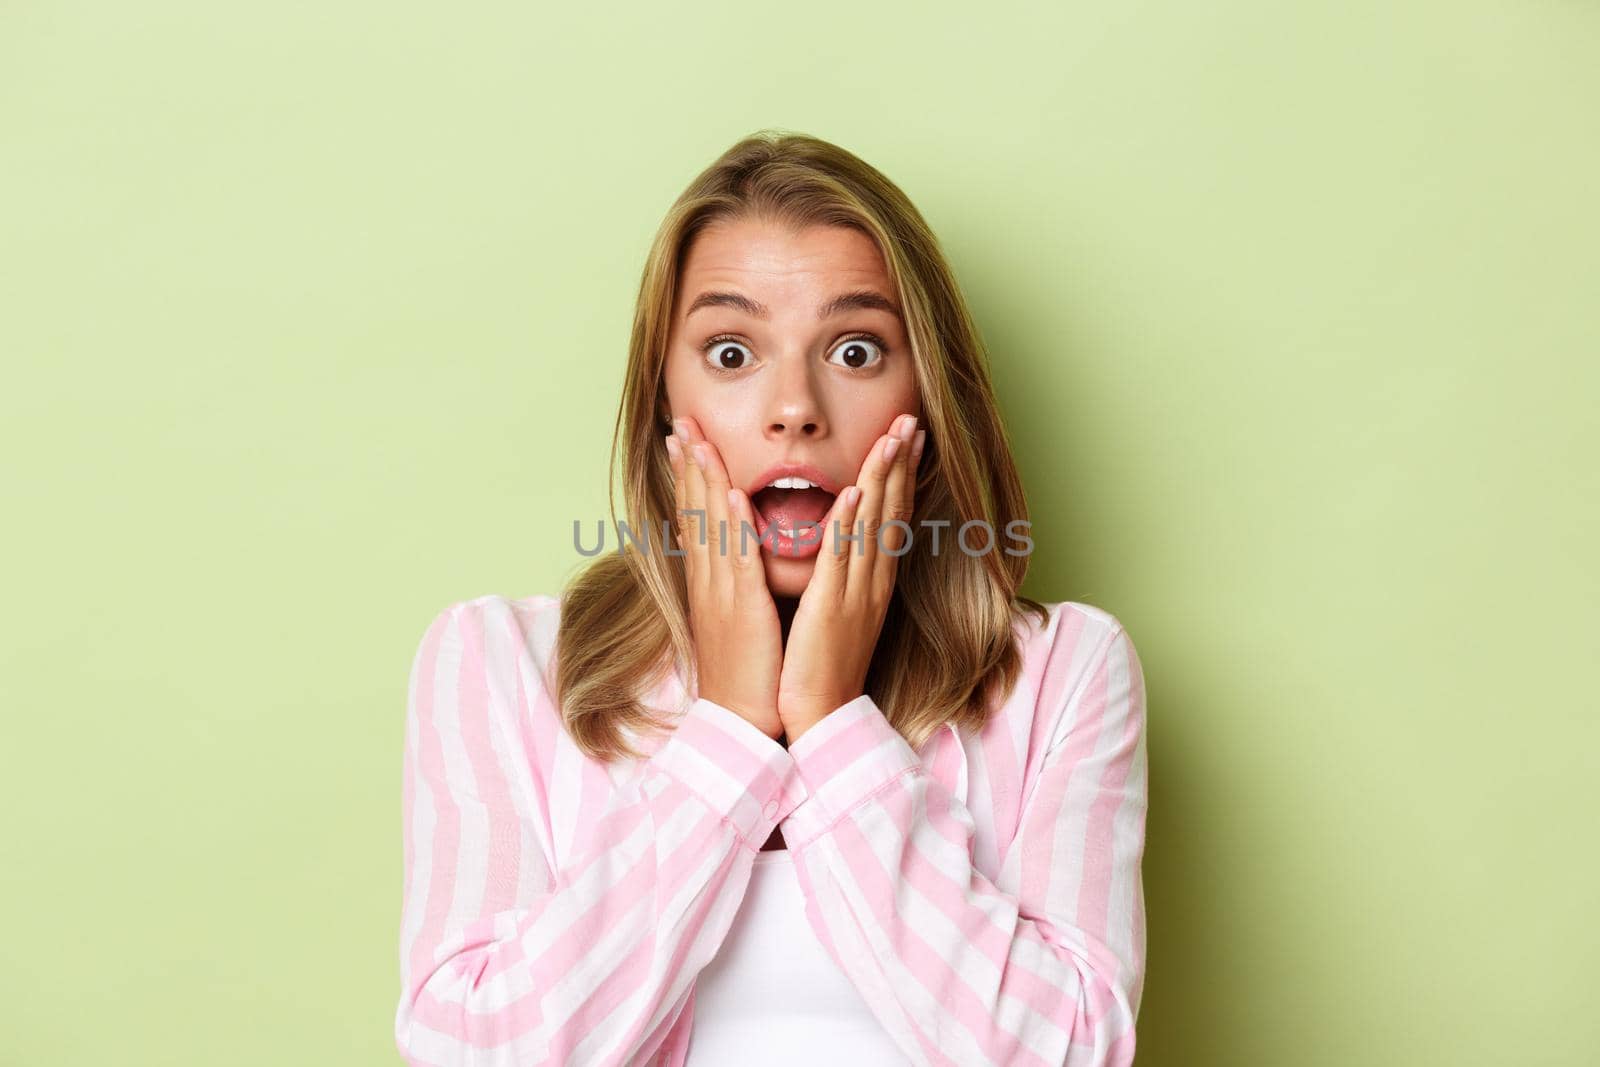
pixel 948 650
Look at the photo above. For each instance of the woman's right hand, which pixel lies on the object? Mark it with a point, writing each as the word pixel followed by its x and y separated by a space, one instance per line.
pixel 737 637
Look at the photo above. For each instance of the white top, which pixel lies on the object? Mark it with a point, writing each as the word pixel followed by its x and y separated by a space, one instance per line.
pixel 772 995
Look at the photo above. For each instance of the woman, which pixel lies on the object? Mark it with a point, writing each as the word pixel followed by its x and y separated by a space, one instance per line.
pixel 754 793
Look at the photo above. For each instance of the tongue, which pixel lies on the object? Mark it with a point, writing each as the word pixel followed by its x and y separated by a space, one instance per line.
pixel 792 508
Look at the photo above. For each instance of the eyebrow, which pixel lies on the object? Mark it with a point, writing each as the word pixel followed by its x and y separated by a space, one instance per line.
pixel 857 299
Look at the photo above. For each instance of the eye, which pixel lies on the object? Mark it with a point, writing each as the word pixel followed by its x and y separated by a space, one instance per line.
pixel 857 352
pixel 724 354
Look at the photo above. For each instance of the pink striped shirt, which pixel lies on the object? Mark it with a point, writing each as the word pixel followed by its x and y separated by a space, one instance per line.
pixel 983 893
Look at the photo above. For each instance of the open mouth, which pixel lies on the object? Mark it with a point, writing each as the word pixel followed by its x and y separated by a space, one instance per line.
pixel 788 510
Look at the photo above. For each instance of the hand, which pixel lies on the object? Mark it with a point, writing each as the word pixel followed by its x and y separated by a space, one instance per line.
pixel 738 639
pixel 836 624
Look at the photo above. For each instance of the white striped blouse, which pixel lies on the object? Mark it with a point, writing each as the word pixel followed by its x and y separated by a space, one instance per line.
pixel 983 893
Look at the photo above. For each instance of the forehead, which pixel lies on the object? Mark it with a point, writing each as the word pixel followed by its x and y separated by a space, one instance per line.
pixel 757 254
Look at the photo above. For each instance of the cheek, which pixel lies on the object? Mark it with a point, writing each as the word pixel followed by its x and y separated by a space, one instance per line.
pixel 728 426
pixel 681 388
pixel 723 415
pixel 908 398
pixel 898 396
pixel 872 420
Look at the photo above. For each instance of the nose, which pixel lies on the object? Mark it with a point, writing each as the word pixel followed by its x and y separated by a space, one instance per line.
pixel 794 408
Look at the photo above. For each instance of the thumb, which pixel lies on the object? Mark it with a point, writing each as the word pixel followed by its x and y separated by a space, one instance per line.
pixel 833 561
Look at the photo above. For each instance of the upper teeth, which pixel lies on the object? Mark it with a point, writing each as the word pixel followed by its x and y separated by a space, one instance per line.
pixel 792 483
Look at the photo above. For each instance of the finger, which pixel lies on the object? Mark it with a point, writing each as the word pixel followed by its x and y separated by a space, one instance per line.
pixel 874 474
pixel 716 503
pixel 897 504
pixel 689 435
pixel 694 518
pixel 744 547
pixel 832 568
pixel 680 490
pixel 688 429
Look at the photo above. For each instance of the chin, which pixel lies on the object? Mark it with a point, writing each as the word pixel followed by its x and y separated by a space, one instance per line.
pixel 788 577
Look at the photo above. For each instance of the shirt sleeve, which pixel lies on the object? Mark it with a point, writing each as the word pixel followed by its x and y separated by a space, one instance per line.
pixel 1044 968
pixel 505 959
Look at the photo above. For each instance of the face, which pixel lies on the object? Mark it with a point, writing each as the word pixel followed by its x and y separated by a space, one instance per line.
pixel 773 374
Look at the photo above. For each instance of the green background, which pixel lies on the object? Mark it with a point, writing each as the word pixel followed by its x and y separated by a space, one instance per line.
pixel 314 317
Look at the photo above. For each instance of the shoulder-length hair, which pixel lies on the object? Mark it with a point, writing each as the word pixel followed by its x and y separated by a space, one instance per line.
pixel 949 648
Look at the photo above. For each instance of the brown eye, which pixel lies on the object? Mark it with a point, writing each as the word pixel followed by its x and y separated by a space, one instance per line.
pixel 724 354
pixel 857 352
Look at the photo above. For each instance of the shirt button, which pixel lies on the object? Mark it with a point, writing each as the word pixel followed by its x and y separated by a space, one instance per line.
pixel 771 810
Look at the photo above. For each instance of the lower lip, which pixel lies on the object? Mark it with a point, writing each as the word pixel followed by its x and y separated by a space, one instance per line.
pixel 789 547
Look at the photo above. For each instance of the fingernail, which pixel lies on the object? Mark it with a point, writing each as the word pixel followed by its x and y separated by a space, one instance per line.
pixel 851 495
pixel 911 425
pixel 891 448
pixel 677 428
pixel 700 453
pixel 674 449
pixel 916 445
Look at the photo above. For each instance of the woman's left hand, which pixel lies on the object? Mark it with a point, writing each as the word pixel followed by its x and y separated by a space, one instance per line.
pixel 836 624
